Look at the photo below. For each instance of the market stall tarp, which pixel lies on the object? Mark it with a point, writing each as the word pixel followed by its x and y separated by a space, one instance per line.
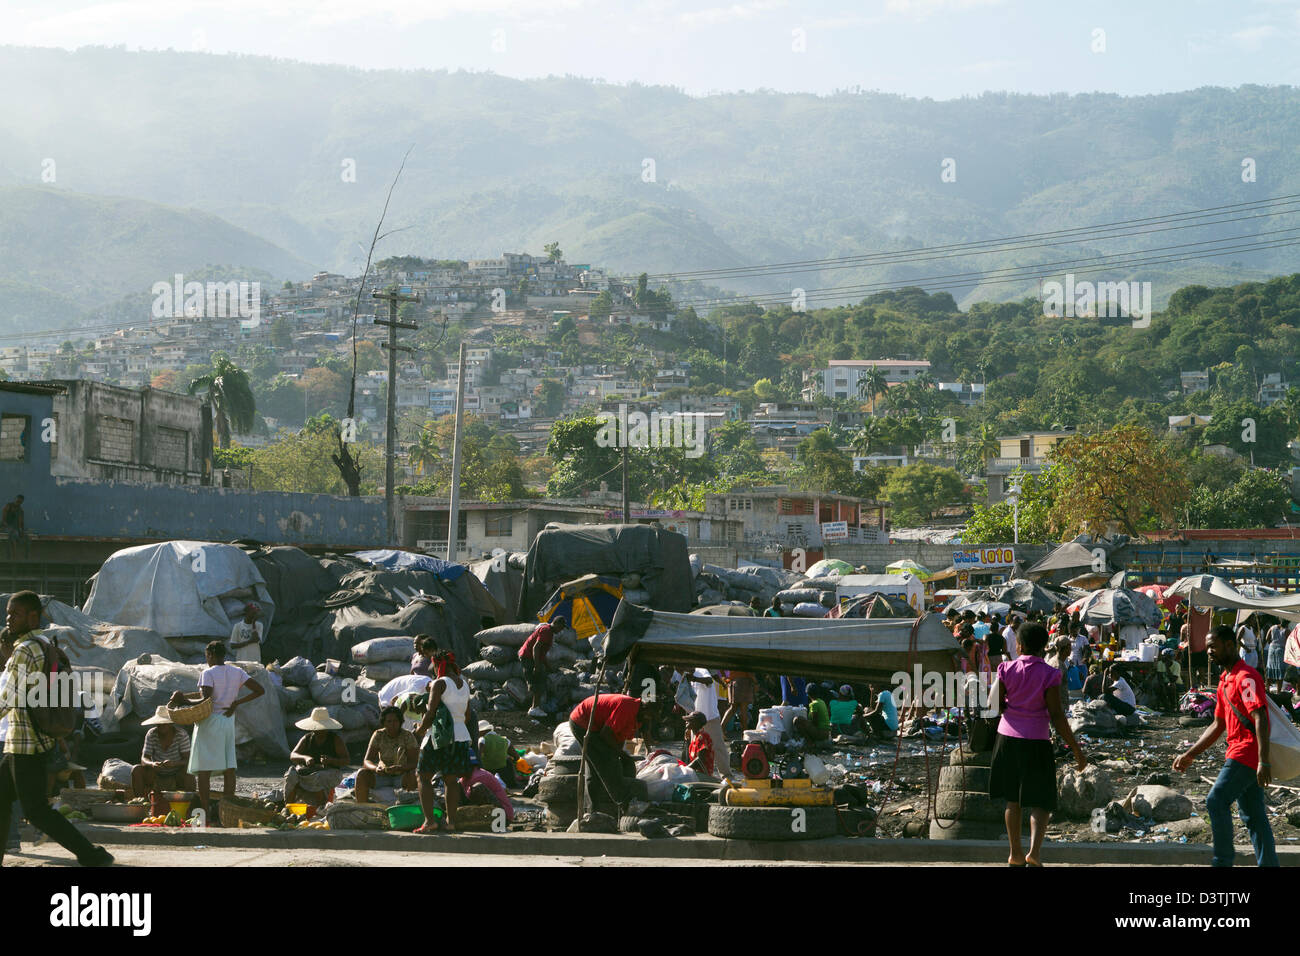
pixel 179 589
pixel 843 648
pixel 1065 557
pixel 89 642
pixel 1028 595
pixel 1120 606
pixel 503 580
pixel 1284 605
pixel 394 560
pixel 142 688
pixel 564 552
pixel 294 578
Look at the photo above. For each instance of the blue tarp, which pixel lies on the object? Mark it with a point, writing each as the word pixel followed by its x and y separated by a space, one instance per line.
pixel 394 560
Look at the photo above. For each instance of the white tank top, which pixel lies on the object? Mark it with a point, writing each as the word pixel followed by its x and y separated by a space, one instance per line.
pixel 457 701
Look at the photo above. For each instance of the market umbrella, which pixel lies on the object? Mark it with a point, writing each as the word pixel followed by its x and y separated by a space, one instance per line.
pixel 1088 582
pixel 588 603
pixel 1117 606
pixel 829 566
pixel 908 566
pixel 1206 582
pixel 987 607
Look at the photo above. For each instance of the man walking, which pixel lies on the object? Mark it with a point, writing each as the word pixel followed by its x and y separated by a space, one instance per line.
pixel 26 749
pixel 1240 708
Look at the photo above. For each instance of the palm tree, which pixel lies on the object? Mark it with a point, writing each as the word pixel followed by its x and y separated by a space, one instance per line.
pixel 872 383
pixel 233 406
pixel 425 453
pixel 875 434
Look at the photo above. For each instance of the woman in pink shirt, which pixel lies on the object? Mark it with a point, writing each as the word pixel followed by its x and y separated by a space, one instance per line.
pixel 1023 769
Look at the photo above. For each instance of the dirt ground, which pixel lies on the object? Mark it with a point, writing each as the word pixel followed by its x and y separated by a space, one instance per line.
pixel 1131 761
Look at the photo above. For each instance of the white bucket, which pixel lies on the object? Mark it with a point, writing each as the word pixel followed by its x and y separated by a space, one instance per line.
pixel 774 736
pixel 1148 652
pixel 755 736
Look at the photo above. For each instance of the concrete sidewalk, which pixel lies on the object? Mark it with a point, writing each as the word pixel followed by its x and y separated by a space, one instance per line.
pixel 701 847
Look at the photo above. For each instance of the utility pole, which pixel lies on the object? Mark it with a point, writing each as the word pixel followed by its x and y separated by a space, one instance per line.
pixel 453 505
pixel 390 449
pixel 627 510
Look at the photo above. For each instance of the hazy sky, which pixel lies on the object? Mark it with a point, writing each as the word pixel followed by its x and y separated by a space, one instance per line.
pixel 935 48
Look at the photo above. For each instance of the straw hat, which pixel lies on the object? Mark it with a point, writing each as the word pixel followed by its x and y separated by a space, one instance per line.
pixel 160 716
pixel 485 728
pixel 320 719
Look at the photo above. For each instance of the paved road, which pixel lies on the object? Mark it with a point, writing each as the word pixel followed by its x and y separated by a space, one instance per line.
pixel 51 854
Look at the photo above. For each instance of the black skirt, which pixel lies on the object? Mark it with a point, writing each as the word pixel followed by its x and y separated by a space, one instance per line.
pixel 1024 772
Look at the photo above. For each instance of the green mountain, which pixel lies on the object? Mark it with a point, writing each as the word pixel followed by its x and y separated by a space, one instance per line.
pixel 647 178
pixel 67 259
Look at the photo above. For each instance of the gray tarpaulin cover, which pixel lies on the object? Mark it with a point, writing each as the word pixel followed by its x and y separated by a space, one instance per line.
pixel 848 649
pixel 179 588
pixel 93 643
pixel 142 688
pixel 564 552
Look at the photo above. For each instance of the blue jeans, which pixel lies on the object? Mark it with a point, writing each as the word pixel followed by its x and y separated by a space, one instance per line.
pixel 1237 783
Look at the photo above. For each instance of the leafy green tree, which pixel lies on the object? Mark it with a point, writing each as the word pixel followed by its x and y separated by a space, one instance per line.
pixel 489 467
pixel 552 250
pixel 734 451
pixel 548 396
pixel 302 461
pixel 918 492
pixel 233 405
pixel 1231 425
pixel 995 523
pixel 1257 499
pixel 282 333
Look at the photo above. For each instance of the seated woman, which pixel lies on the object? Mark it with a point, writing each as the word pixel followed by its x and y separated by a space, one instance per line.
pixel 391 757
pixel 816 727
pixel 316 764
pixel 164 758
pixel 845 711
pixel 484 789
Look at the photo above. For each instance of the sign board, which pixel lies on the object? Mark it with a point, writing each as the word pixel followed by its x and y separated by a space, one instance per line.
pixel 963 579
pixel 975 558
pixel 835 531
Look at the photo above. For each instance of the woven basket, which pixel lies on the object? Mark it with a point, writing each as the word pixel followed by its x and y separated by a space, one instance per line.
pixel 235 810
pixel 193 714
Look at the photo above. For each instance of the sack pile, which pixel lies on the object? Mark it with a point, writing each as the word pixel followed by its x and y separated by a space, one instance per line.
pixel 349 701
pixel 498 678
pixel 717 585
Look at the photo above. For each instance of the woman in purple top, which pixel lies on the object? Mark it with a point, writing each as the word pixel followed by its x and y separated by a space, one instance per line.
pixel 1023 770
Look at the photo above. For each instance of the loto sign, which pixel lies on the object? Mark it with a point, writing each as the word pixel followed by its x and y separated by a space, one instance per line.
pixel 972 558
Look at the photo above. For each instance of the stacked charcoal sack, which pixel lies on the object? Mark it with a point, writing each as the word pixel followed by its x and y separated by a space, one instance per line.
pixel 498 681
pixel 811 597
pixel 717 585
pixel 348 701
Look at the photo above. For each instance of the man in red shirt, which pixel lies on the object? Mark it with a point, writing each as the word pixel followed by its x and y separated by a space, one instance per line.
pixel 1241 708
pixel 617 719
pixel 532 659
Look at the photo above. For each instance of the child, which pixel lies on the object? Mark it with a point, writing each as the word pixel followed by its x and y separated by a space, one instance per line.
pixel 844 711
pixel 699 745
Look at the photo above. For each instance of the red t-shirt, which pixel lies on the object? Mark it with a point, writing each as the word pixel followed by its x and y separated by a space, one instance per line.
pixel 618 712
pixel 541 635
pixel 1245 689
pixel 701 746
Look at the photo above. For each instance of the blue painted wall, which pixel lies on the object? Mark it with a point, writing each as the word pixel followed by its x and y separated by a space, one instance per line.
pixel 83 508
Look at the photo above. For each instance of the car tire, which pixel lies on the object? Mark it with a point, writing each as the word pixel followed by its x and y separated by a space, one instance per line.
pixel 772 823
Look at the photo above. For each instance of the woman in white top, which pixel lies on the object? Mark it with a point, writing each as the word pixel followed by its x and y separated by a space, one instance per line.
pixel 446 750
pixel 246 638
pixel 1249 648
